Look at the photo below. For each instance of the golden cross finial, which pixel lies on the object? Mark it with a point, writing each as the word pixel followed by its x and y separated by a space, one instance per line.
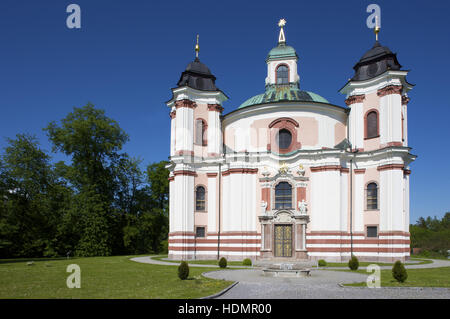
pixel 281 37
pixel 376 30
pixel 197 48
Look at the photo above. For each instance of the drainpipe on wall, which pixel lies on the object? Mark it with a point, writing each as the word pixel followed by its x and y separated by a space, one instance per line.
pixel 351 208
pixel 220 204
pixel 351 201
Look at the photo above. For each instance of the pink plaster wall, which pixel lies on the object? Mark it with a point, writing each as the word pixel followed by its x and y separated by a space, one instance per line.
pixel 308 131
pixel 201 219
pixel 372 101
pixel 340 132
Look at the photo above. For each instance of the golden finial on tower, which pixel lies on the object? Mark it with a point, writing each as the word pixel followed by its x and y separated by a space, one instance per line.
pixel 376 30
pixel 281 37
pixel 197 48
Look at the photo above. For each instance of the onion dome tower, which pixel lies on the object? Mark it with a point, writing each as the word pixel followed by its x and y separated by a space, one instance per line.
pixel 282 81
pixel 379 79
pixel 376 61
pixel 196 134
pixel 198 76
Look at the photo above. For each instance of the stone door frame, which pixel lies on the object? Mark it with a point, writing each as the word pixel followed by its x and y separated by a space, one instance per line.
pixel 284 217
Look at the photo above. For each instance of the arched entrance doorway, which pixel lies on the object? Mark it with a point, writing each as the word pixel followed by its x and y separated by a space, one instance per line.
pixel 283 215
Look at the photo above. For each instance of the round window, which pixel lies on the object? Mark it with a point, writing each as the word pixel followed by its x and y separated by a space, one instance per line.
pixel 284 138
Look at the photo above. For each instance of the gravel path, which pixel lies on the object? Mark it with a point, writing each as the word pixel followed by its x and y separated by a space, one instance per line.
pixel 321 284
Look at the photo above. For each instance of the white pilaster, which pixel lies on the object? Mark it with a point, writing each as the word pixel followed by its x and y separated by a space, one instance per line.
pixel 212 198
pixel 184 129
pixel 356 125
pixel 391 200
pixel 390 118
pixel 358 211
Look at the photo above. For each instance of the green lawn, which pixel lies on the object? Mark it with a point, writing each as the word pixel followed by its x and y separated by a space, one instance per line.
pixel 430 277
pixel 201 262
pixel 102 277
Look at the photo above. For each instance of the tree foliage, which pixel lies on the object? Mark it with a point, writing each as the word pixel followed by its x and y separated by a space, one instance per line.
pixel 431 234
pixel 99 203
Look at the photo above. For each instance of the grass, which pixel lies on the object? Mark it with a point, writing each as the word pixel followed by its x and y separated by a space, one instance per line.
pixel 432 255
pixel 201 262
pixel 102 277
pixel 365 263
pixel 428 277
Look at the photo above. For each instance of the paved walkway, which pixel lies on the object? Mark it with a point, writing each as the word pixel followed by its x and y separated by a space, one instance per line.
pixel 322 284
pixel 252 284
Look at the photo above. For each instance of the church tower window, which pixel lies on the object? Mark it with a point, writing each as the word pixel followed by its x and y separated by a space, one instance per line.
pixel 200 132
pixel 283 196
pixel 372 124
pixel 200 198
pixel 372 196
pixel 282 74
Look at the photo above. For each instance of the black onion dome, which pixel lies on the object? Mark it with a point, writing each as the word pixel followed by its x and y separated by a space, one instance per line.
pixel 198 76
pixel 376 61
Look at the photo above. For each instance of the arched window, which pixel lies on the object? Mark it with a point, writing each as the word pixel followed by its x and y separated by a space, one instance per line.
pixel 372 124
pixel 200 132
pixel 200 198
pixel 284 138
pixel 372 196
pixel 283 196
pixel 282 74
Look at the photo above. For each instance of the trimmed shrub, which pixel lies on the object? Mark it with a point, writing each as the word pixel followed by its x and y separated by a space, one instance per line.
pixel 183 270
pixel 223 262
pixel 399 272
pixel 322 263
pixel 353 263
pixel 247 262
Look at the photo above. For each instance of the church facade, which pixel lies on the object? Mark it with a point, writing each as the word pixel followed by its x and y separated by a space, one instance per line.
pixel 288 175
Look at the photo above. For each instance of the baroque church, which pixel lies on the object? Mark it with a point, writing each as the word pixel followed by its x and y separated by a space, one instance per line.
pixel 288 175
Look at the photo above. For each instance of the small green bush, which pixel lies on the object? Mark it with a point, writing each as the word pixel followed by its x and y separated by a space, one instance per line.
pixel 353 263
pixel 247 262
pixel 183 270
pixel 223 262
pixel 399 272
pixel 322 263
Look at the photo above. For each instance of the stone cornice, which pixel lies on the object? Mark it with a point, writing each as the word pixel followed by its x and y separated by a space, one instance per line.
pixel 184 173
pixel 390 167
pixel 355 99
pixel 185 103
pixel 215 107
pixel 390 89
pixel 240 171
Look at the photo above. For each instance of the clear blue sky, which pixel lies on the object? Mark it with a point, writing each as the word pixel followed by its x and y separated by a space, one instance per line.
pixel 128 54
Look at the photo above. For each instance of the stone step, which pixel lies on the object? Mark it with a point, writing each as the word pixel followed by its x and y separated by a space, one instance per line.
pixel 285 264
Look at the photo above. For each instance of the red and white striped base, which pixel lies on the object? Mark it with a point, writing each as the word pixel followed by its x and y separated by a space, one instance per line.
pixel 331 246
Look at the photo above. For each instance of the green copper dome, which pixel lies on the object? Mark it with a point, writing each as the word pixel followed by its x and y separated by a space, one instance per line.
pixel 285 93
pixel 282 51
